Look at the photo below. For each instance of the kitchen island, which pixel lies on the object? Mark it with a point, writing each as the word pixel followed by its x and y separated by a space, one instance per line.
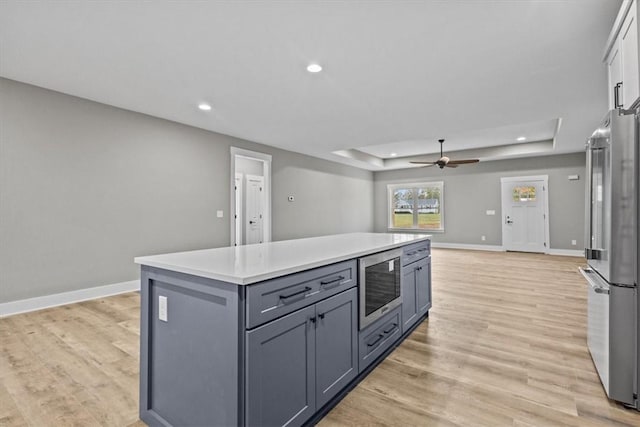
pixel 268 334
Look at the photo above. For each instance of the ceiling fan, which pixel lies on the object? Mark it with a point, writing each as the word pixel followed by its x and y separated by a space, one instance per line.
pixel 445 161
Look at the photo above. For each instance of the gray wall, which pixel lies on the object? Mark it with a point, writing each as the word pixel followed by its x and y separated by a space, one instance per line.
pixel 471 190
pixel 85 187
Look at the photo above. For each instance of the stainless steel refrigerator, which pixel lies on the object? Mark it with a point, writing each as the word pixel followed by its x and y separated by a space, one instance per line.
pixel 612 254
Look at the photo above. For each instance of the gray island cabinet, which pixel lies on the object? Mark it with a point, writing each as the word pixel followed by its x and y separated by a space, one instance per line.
pixel 268 334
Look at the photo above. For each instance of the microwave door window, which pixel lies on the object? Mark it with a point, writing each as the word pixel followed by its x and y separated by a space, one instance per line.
pixel 382 284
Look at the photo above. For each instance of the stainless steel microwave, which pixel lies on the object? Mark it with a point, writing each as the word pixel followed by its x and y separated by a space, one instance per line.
pixel 379 285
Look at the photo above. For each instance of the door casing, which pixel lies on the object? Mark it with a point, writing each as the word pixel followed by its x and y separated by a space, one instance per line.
pixel 266 217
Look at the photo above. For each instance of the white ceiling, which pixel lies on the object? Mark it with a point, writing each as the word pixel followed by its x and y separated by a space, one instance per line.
pixel 493 137
pixel 394 71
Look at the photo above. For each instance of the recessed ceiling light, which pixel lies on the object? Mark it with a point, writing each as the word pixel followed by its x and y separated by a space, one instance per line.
pixel 314 68
pixel 204 106
pixel 393 154
pixel 521 138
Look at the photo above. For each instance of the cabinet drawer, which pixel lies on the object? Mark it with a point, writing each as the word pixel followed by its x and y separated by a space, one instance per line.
pixel 377 338
pixel 416 251
pixel 274 298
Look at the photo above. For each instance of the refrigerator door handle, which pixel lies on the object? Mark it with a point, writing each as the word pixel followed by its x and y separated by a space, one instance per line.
pixel 598 285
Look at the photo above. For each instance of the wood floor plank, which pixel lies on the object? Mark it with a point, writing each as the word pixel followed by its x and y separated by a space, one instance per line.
pixel 505 345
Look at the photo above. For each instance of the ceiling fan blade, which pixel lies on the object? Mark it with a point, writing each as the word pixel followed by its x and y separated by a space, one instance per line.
pixel 463 162
pixel 450 165
pixel 424 163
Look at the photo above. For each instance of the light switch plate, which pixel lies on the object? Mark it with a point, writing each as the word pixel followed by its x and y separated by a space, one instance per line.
pixel 163 309
pixel 573 242
pixel 220 214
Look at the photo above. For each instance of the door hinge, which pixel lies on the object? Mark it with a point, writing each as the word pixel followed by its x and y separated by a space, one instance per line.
pixel 545 244
pixel 235 188
pixel 260 190
pixel 260 216
pixel 235 216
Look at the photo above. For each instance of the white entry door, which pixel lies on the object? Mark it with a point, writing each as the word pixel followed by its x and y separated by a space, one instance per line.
pixel 254 209
pixel 524 214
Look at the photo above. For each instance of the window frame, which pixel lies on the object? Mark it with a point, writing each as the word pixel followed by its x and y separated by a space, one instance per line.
pixel 414 186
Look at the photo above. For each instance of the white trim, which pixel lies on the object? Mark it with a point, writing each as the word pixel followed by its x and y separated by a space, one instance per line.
pixel 47 301
pixel 256 155
pixel 496 248
pixel 266 161
pixel 566 252
pixel 524 178
pixel 545 201
pixel 492 248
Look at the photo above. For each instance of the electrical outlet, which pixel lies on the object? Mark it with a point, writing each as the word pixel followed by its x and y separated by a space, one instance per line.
pixel 220 214
pixel 573 242
pixel 483 238
pixel 162 309
pixel 491 212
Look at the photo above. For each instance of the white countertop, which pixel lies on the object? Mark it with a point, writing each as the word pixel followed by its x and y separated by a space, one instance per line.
pixel 248 264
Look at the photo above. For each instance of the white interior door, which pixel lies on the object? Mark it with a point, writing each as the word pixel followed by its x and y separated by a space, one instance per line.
pixel 239 185
pixel 254 208
pixel 524 215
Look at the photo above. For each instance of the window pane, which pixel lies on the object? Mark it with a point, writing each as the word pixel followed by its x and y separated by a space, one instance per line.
pixel 524 194
pixel 403 208
pixel 429 208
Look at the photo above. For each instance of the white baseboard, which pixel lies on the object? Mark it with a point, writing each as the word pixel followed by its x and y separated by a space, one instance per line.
pixel 566 252
pixel 47 301
pixel 492 248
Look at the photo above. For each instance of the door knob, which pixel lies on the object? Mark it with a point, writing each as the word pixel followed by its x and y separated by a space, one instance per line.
pixel 252 222
pixel 509 221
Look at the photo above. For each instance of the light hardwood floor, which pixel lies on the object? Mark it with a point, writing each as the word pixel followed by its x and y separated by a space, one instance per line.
pixel 504 345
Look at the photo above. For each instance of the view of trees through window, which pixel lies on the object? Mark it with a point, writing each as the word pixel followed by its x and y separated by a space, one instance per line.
pixel 524 194
pixel 417 206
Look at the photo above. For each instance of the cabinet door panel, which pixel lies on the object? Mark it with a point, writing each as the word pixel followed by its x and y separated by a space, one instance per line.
pixel 614 63
pixel 629 46
pixel 409 307
pixel 280 371
pixel 423 286
pixel 336 344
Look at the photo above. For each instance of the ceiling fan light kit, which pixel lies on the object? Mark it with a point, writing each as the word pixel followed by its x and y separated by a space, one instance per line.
pixel 445 161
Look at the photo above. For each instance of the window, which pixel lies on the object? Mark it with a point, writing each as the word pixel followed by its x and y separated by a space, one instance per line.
pixel 524 194
pixel 417 206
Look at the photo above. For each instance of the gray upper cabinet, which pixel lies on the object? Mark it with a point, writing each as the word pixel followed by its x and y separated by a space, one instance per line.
pixel 297 363
pixel 336 344
pixel 280 372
